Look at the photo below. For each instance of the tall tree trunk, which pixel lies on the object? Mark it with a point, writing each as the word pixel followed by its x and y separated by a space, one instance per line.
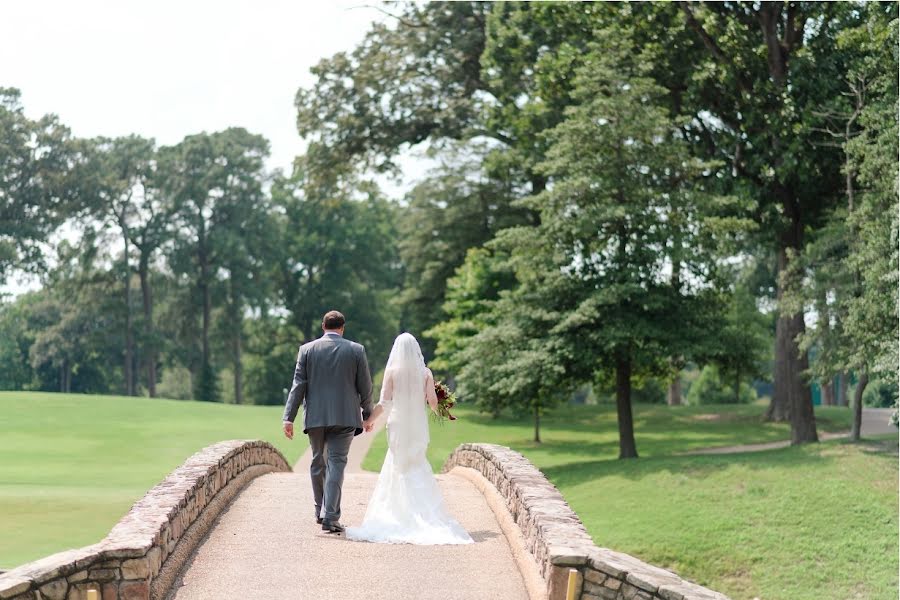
pixel 843 385
pixel 827 386
pixel 803 416
pixel 66 376
pixel 129 333
pixel 627 447
pixel 673 395
pixel 238 367
pixel 204 294
pixel 791 396
pixel 147 299
pixel 856 429
pixel 537 424
pixel 791 393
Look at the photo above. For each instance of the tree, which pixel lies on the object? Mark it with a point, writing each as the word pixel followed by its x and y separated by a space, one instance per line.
pixel 337 250
pixel 624 202
pixel 208 177
pixel 457 208
pixel 872 314
pixel 77 322
pixel 472 293
pixel 743 341
pixel 122 168
pixel 768 68
pixel 846 273
pixel 16 339
pixel 411 81
pixel 242 234
pixel 36 189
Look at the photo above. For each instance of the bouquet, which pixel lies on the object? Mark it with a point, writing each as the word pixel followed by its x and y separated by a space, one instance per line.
pixel 446 400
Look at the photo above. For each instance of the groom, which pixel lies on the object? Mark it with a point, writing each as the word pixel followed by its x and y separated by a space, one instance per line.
pixel 333 384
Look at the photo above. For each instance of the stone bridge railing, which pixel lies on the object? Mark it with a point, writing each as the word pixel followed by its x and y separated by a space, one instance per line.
pixel 142 555
pixel 558 540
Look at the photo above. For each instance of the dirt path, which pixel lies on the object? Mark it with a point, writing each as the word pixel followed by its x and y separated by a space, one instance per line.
pixel 874 422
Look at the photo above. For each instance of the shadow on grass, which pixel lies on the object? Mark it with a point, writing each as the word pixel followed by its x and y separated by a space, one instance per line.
pixel 699 466
pixel 692 466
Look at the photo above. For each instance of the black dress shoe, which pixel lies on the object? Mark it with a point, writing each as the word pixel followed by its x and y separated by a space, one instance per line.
pixel 332 526
pixel 318 520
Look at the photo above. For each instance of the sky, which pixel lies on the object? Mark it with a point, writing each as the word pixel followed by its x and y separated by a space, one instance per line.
pixel 165 69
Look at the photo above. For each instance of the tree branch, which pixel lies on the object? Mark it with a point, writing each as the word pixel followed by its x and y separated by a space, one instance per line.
pixel 713 47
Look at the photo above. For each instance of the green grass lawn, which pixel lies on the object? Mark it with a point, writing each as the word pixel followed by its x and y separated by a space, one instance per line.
pixel 812 522
pixel 71 465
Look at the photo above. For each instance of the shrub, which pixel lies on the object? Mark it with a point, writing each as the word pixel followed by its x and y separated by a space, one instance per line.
pixel 175 384
pixel 880 394
pixel 710 389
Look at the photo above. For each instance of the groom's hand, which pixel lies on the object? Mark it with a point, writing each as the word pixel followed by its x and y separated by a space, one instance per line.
pixel 288 428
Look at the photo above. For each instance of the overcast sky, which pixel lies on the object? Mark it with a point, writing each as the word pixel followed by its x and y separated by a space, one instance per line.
pixel 165 69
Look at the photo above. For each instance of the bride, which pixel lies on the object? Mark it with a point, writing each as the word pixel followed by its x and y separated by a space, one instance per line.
pixel 406 506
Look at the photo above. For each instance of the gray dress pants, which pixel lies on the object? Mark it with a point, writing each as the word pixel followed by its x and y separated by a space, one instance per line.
pixel 329 447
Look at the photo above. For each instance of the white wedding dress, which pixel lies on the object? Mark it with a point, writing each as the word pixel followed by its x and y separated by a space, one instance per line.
pixel 407 506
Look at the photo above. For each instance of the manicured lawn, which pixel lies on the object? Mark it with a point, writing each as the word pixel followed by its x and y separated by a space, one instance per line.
pixel 71 465
pixel 812 522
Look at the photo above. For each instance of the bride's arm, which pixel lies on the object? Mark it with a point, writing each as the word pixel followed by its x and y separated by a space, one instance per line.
pixel 430 395
pixel 386 398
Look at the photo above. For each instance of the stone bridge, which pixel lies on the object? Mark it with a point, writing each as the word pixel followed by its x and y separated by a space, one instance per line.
pixel 235 521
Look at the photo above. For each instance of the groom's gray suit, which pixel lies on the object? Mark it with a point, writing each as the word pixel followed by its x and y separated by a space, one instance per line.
pixel 333 383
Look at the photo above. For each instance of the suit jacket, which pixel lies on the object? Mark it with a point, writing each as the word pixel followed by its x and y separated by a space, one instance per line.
pixel 332 382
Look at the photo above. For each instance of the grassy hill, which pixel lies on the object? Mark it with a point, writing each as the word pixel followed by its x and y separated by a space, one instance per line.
pixel 71 465
pixel 812 522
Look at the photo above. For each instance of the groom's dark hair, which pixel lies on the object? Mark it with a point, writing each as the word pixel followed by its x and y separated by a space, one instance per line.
pixel 333 320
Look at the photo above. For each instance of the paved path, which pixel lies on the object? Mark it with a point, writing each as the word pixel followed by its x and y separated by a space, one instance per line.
pixel 266 546
pixel 875 421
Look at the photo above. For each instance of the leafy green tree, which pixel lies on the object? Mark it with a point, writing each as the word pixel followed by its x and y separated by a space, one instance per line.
pixel 16 339
pixel 78 324
pixel 409 81
pixel 458 208
pixel 847 271
pixel 337 250
pixel 37 191
pixel 768 68
pixel 472 293
pixel 242 237
pixel 214 181
pixel 744 347
pixel 872 320
pixel 271 349
pixel 121 169
pixel 596 290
